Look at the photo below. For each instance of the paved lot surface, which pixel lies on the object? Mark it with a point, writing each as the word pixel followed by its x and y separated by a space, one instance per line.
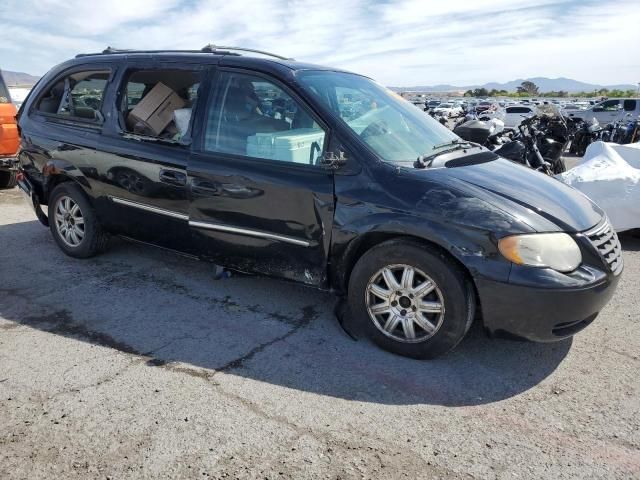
pixel 138 364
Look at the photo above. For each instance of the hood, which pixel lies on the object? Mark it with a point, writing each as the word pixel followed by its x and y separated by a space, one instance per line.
pixel 538 200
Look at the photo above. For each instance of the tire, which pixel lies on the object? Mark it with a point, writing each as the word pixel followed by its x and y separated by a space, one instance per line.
pixel 8 178
pixel 87 238
pixel 452 291
pixel 557 166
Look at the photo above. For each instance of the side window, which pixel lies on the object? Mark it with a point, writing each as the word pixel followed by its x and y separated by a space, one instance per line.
pixel 518 110
pixel 158 102
pixel 77 96
pixel 253 117
pixel 610 105
pixel 629 105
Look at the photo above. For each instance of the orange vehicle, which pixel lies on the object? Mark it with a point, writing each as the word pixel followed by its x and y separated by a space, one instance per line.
pixel 9 139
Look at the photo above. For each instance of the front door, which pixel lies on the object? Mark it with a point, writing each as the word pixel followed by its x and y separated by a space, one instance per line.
pixel 611 111
pixel 260 202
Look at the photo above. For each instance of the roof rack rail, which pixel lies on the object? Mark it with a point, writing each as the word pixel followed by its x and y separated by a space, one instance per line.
pixel 210 48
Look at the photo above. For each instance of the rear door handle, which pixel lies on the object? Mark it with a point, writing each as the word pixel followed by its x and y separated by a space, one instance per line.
pixel 174 178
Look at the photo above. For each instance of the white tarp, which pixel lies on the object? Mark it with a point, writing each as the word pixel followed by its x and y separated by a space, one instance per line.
pixel 609 174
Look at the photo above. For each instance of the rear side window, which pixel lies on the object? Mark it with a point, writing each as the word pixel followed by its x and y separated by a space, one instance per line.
pixel 4 92
pixel 629 105
pixel 77 96
pixel 159 102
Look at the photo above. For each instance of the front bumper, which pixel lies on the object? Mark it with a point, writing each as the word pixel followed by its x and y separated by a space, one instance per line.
pixel 542 314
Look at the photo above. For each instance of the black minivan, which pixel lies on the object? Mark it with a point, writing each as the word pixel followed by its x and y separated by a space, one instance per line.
pixel 324 177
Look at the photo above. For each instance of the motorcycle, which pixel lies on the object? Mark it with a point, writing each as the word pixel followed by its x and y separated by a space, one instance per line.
pixel 538 143
pixel 587 132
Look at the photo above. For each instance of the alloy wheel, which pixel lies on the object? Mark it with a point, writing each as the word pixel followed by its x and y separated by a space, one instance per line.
pixel 69 221
pixel 404 303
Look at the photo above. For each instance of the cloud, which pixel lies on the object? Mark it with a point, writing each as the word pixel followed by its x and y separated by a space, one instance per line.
pixel 398 42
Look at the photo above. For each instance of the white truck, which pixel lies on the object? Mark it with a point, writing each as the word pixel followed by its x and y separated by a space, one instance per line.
pixel 608 111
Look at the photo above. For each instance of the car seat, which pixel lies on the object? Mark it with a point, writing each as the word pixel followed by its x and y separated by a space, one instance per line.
pixel 51 103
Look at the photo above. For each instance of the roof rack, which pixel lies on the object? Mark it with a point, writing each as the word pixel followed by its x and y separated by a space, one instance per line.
pixel 210 48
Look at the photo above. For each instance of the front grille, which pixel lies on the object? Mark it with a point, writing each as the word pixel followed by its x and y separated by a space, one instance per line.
pixel 604 239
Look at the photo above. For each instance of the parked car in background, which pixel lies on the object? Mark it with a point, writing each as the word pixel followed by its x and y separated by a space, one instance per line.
pixel 609 111
pixel 568 108
pixel 9 139
pixel 513 115
pixel 448 109
pixel 420 104
pixel 486 105
pixel 252 163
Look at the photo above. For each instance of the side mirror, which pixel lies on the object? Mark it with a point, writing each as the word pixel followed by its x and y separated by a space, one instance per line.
pixel 598 109
pixel 331 161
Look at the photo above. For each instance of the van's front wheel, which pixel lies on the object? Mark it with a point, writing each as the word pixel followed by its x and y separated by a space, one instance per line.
pixel 410 300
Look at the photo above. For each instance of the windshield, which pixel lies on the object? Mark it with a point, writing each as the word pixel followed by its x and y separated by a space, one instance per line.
pixel 391 126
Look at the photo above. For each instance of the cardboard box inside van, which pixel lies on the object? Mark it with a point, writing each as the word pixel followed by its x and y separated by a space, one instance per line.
pixel 156 108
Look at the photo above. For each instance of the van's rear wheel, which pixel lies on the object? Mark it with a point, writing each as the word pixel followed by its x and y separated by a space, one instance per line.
pixel 8 178
pixel 73 222
pixel 410 300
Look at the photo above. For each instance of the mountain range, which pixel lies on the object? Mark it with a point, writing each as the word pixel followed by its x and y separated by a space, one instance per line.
pixel 19 78
pixel 544 84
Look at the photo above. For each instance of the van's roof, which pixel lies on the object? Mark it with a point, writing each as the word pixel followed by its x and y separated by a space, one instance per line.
pixel 208 55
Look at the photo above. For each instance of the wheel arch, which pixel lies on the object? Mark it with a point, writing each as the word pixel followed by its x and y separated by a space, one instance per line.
pixel 341 272
pixel 366 241
pixel 58 171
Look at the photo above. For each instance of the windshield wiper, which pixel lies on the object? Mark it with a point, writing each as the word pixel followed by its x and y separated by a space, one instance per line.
pixel 455 141
pixel 425 161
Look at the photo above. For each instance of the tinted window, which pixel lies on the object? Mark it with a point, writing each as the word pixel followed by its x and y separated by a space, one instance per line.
pixel 4 92
pixel 518 110
pixel 629 105
pixel 610 105
pixel 253 117
pixel 78 95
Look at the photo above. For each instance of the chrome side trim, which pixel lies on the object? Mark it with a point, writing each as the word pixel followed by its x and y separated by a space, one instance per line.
pixel 251 233
pixel 150 208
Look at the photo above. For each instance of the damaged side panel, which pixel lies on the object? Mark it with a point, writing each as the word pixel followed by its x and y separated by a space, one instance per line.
pixel 434 212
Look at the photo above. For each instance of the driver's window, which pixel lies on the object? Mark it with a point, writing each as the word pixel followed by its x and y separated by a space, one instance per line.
pixel 254 117
pixel 611 105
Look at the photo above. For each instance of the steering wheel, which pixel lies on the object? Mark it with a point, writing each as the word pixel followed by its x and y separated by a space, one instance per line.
pixel 375 129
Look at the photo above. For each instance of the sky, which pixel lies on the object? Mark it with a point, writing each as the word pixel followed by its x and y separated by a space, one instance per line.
pixel 397 42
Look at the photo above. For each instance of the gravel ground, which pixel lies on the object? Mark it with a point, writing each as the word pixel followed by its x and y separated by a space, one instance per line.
pixel 138 364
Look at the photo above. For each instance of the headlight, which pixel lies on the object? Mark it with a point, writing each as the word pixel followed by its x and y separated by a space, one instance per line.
pixel 553 250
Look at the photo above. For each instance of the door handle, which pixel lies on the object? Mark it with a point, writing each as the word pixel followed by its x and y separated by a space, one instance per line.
pixel 174 178
pixel 204 187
